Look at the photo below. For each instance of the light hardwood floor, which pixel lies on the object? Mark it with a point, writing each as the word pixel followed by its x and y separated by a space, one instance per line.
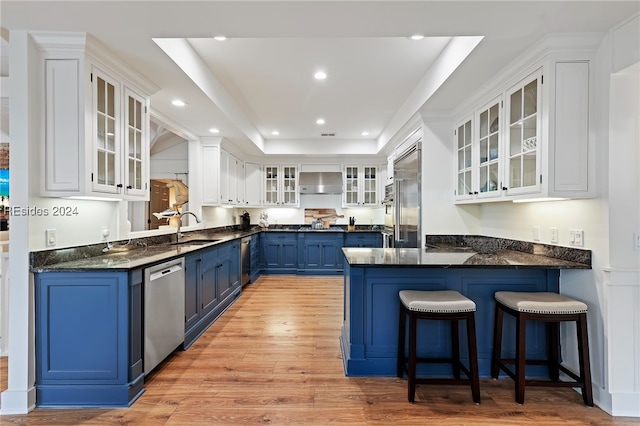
pixel 274 358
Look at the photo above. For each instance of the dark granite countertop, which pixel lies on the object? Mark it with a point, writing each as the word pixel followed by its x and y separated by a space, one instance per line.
pixel 447 255
pixel 144 252
pixel 127 256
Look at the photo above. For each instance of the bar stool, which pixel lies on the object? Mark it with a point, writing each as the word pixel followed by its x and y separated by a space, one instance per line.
pixel 553 309
pixel 438 305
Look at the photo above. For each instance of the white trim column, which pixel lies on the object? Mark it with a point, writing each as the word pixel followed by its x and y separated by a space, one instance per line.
pixel 20 397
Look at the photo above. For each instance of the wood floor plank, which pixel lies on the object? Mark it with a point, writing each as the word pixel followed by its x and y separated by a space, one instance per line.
pixel 274 358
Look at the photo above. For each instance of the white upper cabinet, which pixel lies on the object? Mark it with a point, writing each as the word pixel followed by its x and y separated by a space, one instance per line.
pixel 230 181
pixel 531 140
pixel 223 180
pixel 487 150
pixel 361 186
pixel 464 159
pixel 252 185
pixel 523 135
pixel 281 186
pixel 210 175
pixel 96 123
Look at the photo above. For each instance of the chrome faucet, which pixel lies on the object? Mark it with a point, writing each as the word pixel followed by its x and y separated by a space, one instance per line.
pixel 180 223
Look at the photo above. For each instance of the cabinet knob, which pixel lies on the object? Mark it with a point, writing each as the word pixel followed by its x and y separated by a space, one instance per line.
pixel 504 188
pixel 475 192
pixel 119 185
pixel 129 187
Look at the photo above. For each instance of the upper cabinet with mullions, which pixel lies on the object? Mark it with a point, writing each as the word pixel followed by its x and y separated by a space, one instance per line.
pixel 532 139
pixel 96 123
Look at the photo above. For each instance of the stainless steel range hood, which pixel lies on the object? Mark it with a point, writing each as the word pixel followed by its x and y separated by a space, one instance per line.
pixel 320 182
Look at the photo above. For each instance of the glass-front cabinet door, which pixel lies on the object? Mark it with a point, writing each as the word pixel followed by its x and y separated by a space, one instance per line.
pixel 488 157
pixel 135 143
pixel 106 113
pixel 289 186
pixel 360 186
pixel 271 174
pixel 351 175
pixel 370 188
pixel 281 185
pixel 523 102
pixel 463 137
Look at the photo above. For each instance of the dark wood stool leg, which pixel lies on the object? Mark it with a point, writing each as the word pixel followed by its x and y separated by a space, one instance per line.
pixel 521 338
pixel 497 341
pixel 401 340
pixel 585 366
pixel 455 348
pixel 553 330
pixel 473 357
pixel 412 357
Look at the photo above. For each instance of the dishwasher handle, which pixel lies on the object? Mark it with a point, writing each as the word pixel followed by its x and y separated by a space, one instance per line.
pixel 165 272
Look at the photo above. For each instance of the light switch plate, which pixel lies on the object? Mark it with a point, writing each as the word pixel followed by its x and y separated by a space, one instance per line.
pixel 576 237
pixel 50 235
pixel 536 233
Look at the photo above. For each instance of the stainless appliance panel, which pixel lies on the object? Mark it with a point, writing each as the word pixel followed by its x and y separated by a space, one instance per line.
pixel 245 260
pixel 387 238
pixel 163 311
pixel 407 198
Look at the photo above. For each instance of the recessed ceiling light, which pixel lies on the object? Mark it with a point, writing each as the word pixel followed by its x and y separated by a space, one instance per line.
pixel 275 133
pixel 214 130
pixel 220 38
pixel 320 75
pixel 365 133
pixel 320 121
pixel 417 37
pixel 178 103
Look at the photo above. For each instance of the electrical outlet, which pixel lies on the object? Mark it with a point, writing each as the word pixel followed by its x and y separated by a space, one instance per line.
pixel 50 235
pixel 576 237
pixel 536 233
pixel 554 235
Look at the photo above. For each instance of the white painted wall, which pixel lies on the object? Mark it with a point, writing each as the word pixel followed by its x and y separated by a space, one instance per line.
pixel 165 164
pixel 439 214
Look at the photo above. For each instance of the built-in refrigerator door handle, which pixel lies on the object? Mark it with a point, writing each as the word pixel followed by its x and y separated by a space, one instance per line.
pixel 396 210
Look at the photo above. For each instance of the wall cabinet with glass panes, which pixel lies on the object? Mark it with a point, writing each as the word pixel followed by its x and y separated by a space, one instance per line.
pixel 361 186
pixel 463 144
pixel 96 124
pixel 281 186
pixel 531 141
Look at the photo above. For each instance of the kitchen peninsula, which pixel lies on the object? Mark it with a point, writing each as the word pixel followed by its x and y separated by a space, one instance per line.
pixel 475 266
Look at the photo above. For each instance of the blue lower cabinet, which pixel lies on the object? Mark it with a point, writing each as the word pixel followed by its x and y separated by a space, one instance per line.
pixel 88 339
pixel 212 283
pixel 255 257
pixel 369 337
pixel 363 239
pixel 279 252
pixel 320 253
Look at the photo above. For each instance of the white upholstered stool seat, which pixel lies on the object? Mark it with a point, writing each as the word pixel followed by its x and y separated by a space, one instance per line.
pixel 540 303
pixel 552 309
pixel 440 305
pixel 436 301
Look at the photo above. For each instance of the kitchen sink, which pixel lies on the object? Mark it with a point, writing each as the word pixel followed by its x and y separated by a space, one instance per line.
pixel 196 241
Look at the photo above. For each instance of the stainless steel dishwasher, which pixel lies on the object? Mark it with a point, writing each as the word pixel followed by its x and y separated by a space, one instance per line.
pixel 245 261
pixel 163 311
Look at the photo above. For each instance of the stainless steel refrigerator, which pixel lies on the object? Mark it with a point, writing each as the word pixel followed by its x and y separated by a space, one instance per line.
pixel 408 198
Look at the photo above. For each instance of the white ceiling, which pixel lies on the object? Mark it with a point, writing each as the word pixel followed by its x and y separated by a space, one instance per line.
pixel 260 78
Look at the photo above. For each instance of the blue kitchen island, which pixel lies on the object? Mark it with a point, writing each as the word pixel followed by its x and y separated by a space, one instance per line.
pixel 477 267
